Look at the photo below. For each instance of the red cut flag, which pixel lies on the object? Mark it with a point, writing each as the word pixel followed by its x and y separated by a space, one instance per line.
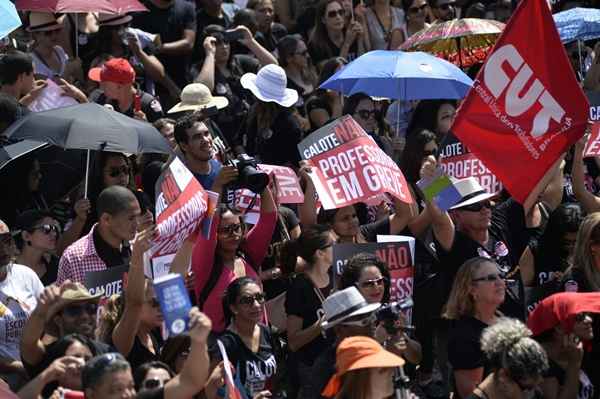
pixel 525 108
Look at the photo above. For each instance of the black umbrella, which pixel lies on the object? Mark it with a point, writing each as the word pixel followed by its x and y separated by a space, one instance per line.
pixel 90 127
pixel 11 152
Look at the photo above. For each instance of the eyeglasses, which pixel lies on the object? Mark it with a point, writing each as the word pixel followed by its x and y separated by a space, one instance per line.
pixel 153 383
pixel 78 310
pixel 491 278
pixel 582 317
pixel 377 282
pixel 47 228
pixel 476 207
pixel 116 172
pixel 414 10
pixel 366 114
pixel 446 7
pixel 231 229
pixel 248 300
pixel 333 13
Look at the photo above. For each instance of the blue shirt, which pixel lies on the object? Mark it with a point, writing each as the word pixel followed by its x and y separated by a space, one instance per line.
pixel 208 180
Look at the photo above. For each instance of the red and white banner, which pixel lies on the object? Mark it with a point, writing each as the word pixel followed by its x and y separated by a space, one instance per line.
pixel 181 203
pixel 354 171
pixel 525 108
pixel 592 148
pixel 286 183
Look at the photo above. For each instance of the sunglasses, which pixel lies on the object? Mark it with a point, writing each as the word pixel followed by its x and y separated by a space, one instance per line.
pixel 78 310
pixel 491 278
pixel 116 172
pixel 366 114
pixel 476 207
pixel 582 317
pixel 447 6
pixel 333 13
pixel 47 228
pixel 248 300
pixel 414 10
pixel 153 383
pixel 377 282
pixel 231 229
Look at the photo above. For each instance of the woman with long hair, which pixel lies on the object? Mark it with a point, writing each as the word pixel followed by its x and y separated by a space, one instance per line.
pixel 434 115
pixel 332 38
pixel 300 72
pixel 325 105
pixel 584 275
pixel 364 111
pixel 477 293
pixel 303 300
pixel 230 252
pixel 365 370
pixel 419 146
pixel 249 342
pixel 415 13
pixel 36 243
pixel 517 361
pixel 152 375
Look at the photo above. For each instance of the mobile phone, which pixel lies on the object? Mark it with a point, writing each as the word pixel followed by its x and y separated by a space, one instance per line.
pixel 233 35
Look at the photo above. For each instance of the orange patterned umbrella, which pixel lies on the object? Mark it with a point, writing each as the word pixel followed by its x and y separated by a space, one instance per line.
pixel 463 42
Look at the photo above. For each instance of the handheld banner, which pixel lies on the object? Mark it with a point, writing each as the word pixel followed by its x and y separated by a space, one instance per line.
pixel 525 108
pixel 592 148
pixel 287 184
pixel 108 282
pixel 174 302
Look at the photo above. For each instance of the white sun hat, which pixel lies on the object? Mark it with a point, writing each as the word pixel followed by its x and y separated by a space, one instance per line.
pixel 196 96
pixel 269 85
pixel 344 304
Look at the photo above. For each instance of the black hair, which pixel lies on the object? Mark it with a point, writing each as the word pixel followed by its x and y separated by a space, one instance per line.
pixel 94 371
pixel 566 218
pixel 329 66
pixel 140 373
pixel 114 200
pixel 353 269
pixel 232 294
pixel 327 216
pixel 247 18
pixel 412 156
pixel 311 240
pixel 425 115
pixel 351 103
pixel 96 176
pixel 182 125
pixel 12 65
pixel 287 47
pixel 162 122
pixel 173 347
pixel 26 221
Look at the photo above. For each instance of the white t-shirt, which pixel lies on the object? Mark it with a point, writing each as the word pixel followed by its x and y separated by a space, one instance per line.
pixel 19 293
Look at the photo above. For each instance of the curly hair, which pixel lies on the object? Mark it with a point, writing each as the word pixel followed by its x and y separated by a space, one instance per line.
pixel 508 345
pixel 357 264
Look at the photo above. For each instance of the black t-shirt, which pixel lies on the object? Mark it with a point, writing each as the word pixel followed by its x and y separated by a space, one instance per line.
pixel 270 40
pixel 169 23
pixel 149 105
pixel 255 371
pixel 139 354
pixel 508 237
pixel 370 231
pixel 110 256
pixel 157 393
pixel 330 50
pixel 302 301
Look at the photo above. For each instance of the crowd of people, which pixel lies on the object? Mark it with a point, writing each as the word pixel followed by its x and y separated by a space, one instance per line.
pixel 506 299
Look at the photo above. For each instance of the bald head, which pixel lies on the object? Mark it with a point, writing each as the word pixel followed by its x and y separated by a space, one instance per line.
pixel 114 200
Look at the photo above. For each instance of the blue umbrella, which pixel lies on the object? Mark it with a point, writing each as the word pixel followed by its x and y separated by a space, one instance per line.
pixel 9 19
pixel 400 75
pixel 578 24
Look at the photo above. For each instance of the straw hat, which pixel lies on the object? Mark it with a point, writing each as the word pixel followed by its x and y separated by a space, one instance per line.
pixel 345 304
pixel 471 192
pixel 44 21
pixel 113 19
pixel 197 96
pixel 269 85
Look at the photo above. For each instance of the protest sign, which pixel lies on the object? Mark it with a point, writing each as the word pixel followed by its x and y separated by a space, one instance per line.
pixel 51 97
pixel 396 255
pixel 525 108
pixel 174 302
pixel 287 185
pixel 108 282
pixel 592 147
pixel 354 170
pixel 594 98
pixel 457 161
pixel 181 203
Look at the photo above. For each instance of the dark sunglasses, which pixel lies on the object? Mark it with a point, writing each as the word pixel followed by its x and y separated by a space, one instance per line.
pixel 377 282
pixel 47 228
pixel 491 278
pixel 414 10
pixel 581 317
pixel 248 300
pixel 116 172
pixel 447 6
pixel 153 383
pixel 231 229
pixel 332 14
pixel 366 114
pixel 78 310
pixel 476 207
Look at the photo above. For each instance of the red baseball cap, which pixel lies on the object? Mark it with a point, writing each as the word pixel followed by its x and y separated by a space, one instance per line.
pixel 117 70
pixel 561 309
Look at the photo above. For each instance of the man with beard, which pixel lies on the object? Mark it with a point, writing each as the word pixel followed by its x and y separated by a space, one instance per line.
pixel 444 10
pixel 195 141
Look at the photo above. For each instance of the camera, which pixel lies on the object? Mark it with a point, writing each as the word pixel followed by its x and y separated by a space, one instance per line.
pixel 248 174
pixel 389 313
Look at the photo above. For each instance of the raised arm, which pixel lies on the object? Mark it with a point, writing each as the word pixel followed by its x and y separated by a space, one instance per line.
pixel 262 54
pixel 206 75
pixel 258 239
pixel 442 225
pixel 308 209
pixel 589 201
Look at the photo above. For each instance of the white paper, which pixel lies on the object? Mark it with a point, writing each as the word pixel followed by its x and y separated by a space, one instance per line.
pixel 51 97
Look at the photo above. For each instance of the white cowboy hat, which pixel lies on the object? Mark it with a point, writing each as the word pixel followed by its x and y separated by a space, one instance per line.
pixel 471 192
pixel 113 19
pixel 44 22
pixel 269 85
pixel 197 96
pixel 345 304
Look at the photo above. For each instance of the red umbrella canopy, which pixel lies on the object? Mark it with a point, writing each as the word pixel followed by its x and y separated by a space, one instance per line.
pixel 81 6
